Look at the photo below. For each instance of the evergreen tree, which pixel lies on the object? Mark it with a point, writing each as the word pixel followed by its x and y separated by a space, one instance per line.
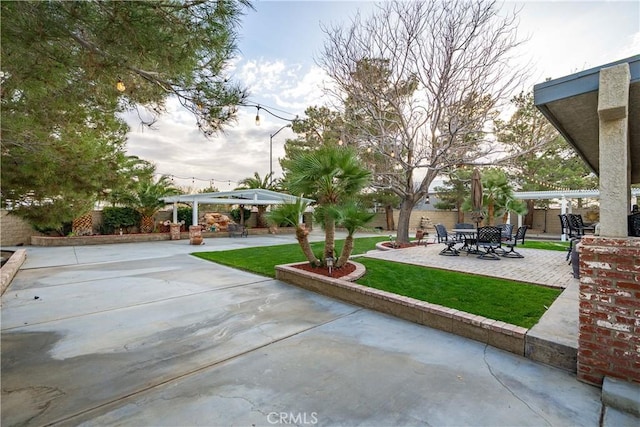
pixel 68 67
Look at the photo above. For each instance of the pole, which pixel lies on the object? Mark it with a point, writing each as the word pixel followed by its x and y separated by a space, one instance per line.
pixel 271 152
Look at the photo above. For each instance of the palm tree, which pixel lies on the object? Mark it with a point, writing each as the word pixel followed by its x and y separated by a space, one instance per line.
pixel 257 182
pixel 290 215
pixel 498 196
pixel 145 198
pixel 352 217
pixel 331 175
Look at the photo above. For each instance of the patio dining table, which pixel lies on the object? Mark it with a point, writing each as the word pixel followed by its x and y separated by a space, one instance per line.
pixel 470 237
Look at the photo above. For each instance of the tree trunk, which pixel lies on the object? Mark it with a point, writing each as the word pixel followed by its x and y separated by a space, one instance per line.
pixel 528 218
pixel 460 215
pixel 241 214
pixel 146 224
pixel 260 223
pixel 302 235
pixel 490 212
pixel 329 237
pixel 346 251
pixel 403 221
pixel 388 210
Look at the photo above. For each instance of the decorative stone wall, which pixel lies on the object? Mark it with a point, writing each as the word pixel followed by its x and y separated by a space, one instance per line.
pixel 609 335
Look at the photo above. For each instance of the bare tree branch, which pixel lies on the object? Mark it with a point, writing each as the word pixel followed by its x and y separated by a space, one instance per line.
pixel 420 83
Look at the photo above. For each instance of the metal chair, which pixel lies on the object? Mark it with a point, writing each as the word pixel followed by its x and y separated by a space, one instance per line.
pixel 513 242
pixel 577 229
pixel 577 226
pixel 567 231
pixel 448 239
pixel 490 239
pixel 507 231
pixel 633 222
pixel 564 224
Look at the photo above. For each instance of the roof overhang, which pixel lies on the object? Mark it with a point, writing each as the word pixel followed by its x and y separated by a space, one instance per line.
pixel 571 104
pixel 238 197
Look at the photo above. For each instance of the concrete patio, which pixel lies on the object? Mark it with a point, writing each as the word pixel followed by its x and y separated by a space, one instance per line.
pixel 145 334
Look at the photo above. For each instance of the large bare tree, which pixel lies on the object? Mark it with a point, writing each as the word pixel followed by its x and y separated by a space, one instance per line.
pixel 419 83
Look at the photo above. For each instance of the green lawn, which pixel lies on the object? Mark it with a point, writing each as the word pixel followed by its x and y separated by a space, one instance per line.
pixel 545 244
pixel 509 301
pixel 262 260
pixel 512 302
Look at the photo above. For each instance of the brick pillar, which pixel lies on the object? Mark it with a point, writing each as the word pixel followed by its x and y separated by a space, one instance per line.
pixel 609 339
pixel 195 234
pixel 174 230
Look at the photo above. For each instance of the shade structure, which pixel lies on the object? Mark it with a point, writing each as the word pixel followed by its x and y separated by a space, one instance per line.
pixel 476 197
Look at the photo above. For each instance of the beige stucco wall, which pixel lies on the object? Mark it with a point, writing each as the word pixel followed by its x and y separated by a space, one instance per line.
pixel 449 218
pixel 14 231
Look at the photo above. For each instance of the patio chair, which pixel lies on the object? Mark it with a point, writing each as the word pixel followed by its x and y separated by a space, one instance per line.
pixel 448 239
pixel 567 231
pixel 506 231
pixel 577 225
pixel 577 229
pixel 564 224
pixel 513 242
pixel 490 239
pixel 633 221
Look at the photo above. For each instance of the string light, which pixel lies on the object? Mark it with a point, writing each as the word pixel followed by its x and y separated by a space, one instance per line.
pixel 120 86
pixel 210 181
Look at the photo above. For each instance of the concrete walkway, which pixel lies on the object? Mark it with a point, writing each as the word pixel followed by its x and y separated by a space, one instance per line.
pixel 144 334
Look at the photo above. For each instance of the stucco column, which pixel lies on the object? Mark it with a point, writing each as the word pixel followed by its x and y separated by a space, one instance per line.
pixel 613 110
pixel 194 213
pixel 563 211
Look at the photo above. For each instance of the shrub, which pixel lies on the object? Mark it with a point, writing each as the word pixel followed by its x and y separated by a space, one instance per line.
pixel 235 214
pixel 114 218
pixel 185 213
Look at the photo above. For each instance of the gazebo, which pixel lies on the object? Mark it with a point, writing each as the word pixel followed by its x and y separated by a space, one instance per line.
pixel 248 197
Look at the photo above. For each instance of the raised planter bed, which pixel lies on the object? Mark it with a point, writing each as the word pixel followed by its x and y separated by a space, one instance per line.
pixel 493 332
pixel 10 268
pixel 138 237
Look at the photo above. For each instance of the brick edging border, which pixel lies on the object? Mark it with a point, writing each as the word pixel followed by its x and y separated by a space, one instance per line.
pixel 492 332
pixel 10 268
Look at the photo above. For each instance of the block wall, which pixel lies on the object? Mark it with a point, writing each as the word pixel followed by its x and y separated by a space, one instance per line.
pixel 609 314
pixel 14 231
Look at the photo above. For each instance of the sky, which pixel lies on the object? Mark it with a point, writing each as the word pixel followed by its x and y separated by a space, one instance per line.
pixel 280 42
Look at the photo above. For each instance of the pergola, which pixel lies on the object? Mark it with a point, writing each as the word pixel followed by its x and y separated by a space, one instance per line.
pixel 250 197
pixel 564 196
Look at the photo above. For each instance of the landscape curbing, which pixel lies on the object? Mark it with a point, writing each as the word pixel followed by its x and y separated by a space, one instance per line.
pixel 103 239
pixel 489 331
pixel 10 268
